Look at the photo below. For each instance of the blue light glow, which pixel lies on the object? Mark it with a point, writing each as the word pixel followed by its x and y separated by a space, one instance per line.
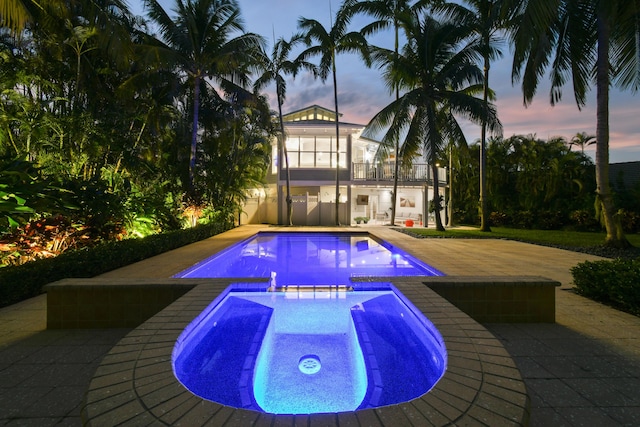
pixel 371 350
pixel 310 258
pixel 316 347
pixel 321 327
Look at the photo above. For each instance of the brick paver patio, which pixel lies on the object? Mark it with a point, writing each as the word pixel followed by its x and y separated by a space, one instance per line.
pixel 582 370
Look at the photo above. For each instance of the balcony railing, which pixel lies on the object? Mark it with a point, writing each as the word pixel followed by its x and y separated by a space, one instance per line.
pixel 385 172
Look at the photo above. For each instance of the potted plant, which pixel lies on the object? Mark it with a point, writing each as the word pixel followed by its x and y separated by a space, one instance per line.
pixel 360 219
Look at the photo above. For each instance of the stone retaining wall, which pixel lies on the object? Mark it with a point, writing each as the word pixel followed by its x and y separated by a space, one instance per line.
pixel 504 299
pixel 126 303
pixel 111 303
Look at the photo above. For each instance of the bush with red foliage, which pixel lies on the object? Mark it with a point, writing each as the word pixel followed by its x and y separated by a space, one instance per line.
pixel 49 237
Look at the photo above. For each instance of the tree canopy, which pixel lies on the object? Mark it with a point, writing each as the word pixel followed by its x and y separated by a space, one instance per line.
pixel 127 125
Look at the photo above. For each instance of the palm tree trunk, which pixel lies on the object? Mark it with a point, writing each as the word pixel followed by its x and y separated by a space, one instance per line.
pixel 615 235
pixel 335 98
pixel 78 65
pixel 484 205
pixel 194 134
pixel 450 180
pixel 394 194
pixel 282 152
pixel 436 196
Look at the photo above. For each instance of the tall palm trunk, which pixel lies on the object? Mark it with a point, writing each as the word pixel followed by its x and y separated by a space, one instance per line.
pixel 78 76
pixel 436 195
pixel 335 99
pixel 194 134
pixel 484 205
pixel 394 195
pixel 615 235
pixel 282 152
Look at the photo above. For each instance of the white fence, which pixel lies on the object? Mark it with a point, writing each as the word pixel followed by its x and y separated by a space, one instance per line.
pixel 310 210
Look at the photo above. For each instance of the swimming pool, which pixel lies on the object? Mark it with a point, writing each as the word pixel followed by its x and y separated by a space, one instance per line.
pixel 311 340
pixel 309 349
pixel 310 259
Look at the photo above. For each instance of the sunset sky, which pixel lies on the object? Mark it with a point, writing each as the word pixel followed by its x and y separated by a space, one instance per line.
pixel 361 92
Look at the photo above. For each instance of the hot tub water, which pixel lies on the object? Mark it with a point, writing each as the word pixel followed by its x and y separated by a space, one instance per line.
pixel 309 351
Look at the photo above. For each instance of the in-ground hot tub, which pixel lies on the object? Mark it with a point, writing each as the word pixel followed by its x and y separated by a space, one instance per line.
pixel 310 349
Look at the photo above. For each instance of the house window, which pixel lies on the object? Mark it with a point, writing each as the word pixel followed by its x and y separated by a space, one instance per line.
pixel 307 160
pixel 324 152
pixel 315 152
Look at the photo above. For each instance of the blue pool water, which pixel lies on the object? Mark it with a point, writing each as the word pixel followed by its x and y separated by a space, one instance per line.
pixel 311 340
pixel 309 349
pixel 310 259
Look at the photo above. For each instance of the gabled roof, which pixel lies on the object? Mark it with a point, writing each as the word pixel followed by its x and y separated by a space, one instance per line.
pixel 312 116
pixel 311 113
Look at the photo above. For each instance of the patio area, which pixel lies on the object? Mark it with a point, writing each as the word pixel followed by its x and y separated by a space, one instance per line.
pixel 582 370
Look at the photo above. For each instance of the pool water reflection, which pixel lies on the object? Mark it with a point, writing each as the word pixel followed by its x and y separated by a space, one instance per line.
pixel 310 258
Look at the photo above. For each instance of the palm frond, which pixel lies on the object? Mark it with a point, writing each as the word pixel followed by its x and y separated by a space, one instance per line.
pixel 625 43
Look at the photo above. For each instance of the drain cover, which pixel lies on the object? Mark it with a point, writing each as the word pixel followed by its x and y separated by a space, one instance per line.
pixel 309 364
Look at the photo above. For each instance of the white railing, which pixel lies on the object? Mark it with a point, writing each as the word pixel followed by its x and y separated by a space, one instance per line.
pixel 385 171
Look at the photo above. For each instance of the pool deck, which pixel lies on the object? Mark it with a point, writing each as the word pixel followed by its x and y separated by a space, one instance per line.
pixel 582 370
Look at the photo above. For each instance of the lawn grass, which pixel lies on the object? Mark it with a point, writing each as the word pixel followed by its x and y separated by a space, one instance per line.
pixel 568 239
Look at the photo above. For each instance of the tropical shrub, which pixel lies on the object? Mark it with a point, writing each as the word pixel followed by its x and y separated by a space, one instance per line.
pixel 630 221
pixel 43 238
pixel 523 219
pixel 151 211
pixel 25 281
pixel 436 204
pixel 531 183
pixel 615 283
pixel 499 219
pixel 25 194
pixel 549 220
pixel 98 207
pixel 583 220
pixel 464 216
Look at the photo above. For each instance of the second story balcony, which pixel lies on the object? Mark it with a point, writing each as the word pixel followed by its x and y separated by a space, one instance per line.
pixel 384 172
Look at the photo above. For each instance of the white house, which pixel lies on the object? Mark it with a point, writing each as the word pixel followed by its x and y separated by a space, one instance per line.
pixel 365 184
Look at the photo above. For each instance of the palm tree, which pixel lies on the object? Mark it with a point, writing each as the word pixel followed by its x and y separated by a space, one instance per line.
pixel 14 14
pixel 437 70
pixel 387 13
pixel 541 177
pixel 582 139
pixel 590 43
pixel 329 44
pixel 236 146
pixel 486 18
pixel 199 41
pixel 273 69
pixel 74 55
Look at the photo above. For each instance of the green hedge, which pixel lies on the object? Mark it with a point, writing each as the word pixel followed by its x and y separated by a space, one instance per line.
pixel 616 282
pixel 25 281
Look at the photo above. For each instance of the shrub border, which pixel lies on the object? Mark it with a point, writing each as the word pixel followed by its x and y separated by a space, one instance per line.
pixel 24 281
pixel 612 282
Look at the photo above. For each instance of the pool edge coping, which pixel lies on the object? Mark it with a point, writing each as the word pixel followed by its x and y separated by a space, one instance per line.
pixel 135 381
